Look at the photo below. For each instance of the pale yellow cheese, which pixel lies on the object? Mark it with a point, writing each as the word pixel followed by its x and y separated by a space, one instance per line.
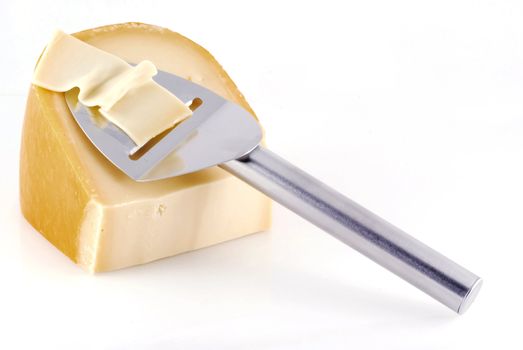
pixel 127 96
pixel 94 213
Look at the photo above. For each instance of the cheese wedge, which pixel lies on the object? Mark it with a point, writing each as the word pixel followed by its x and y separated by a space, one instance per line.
pixel 96 215
pixel 127 96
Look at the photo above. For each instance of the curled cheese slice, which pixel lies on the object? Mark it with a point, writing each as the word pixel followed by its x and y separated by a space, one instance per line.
pixel 127 96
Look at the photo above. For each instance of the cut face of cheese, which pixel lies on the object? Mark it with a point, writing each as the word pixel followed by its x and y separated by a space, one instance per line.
pixel 127 96
pixel 95 214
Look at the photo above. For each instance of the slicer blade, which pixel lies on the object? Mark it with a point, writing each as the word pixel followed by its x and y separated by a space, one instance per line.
pixel 218 131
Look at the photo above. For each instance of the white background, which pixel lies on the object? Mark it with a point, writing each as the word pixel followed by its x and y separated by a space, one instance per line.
pixel 412 108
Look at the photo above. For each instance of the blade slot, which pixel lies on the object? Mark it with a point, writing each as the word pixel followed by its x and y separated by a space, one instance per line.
pixel 140 152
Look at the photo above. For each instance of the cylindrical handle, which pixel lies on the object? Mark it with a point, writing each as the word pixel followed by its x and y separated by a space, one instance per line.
pixel 433 273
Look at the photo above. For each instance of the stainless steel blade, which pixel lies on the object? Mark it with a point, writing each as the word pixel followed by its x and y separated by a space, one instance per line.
pixel 219 131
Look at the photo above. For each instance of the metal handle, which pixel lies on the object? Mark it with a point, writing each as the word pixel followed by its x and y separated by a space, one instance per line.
pixel 428 270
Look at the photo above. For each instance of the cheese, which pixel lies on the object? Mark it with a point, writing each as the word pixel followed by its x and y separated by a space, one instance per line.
pixel 127 95
pixel 94 213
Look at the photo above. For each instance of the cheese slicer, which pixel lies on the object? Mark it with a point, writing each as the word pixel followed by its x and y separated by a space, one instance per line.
pixel 222 133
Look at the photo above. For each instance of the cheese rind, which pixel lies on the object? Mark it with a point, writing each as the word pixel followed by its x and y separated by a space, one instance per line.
pixel 95 214
pixel 127 95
